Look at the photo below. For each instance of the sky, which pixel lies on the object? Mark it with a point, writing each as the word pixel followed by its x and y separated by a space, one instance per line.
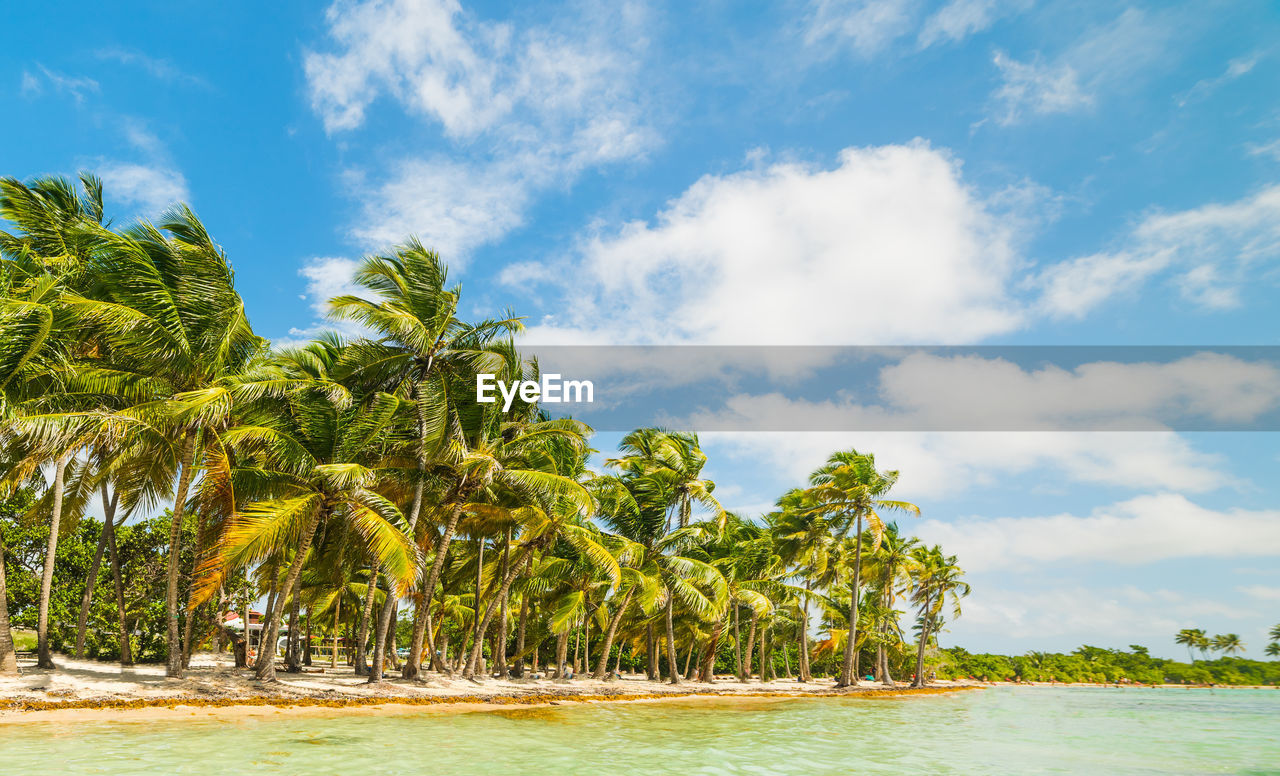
pixel 835 172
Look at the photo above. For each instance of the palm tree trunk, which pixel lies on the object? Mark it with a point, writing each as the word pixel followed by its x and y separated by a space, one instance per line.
pixel 362 637
pixel 603 666
pixel 46 578
pixel 218 620
pixel 189 627
pixel 306 648
pixel 518 669
pixel 924 640
pixel 766 665
pixel 707 671
pixel 337 614
pixel 751 640
pixel 422 620
pixel 477 649
pixel 173 663
pixel 786 659
pixel 389 608
pixel 651 652
pixel 292 656
pixel 477 639
pixel 562 652
pixel 672 664
pixel 8 657
pixel 500 654
pixel 91 579
pixel 577 646
pixel 265 667
pixel 688 658
pixel 737 644
pixel 849 670
pixel 803 658
pixel 117 581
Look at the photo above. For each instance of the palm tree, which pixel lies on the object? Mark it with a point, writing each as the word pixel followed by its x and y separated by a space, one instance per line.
pixel 665 469
pixel 850 489
pixel 1227 644
pixel 173 331
pixel 937 578
pixel 804 539
pixel 426 355
pixel 1192 638
pixel 307 459
pixel 891 565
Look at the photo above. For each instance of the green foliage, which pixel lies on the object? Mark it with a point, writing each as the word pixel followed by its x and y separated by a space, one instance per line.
pixel 142 547
pixel 1096 664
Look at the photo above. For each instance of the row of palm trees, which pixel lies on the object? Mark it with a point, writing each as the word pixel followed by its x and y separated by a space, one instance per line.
pixel 1225 643
pixel 356 484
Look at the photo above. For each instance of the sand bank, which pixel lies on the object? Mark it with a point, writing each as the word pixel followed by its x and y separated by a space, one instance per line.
pixel 88 690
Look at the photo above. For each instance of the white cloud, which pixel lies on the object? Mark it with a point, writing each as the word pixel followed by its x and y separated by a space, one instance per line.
pixel 995 394
pixel 868 26
pixel 150 188
pixel 1111 57
pixel 161 69
pixel 453 207
pixel 1038 88
pixel 959 19
pixel 33 84
pixel 1271 149
pixel 1074 614
pixel 525 107
pixel 1261 592
pixel 946 464
pixel 798 254
pixel 326 277
pixel 1138 531
pixel 1213 251
pixel 1203 88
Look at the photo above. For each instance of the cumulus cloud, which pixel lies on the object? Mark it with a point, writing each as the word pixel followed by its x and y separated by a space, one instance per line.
pixel 525 108
pixel 1211 251
pixel 793 253
pixel 1141 530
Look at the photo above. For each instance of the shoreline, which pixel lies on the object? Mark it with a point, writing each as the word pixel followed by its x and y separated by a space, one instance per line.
pixel 177 707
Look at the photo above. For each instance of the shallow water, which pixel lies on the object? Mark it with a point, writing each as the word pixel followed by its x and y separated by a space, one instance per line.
pixel 998 731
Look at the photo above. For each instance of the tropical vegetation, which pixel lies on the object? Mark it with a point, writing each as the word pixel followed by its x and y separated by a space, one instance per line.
pixel 166 469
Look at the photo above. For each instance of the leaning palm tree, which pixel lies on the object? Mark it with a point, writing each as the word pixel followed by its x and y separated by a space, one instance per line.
pixel 937 579
pixel 305 460
pixel 174 331
pixel 1192 638
pixel 1227 644
pixel 804 539
pixel 849 489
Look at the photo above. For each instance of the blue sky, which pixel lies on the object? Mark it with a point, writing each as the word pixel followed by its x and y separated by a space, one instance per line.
pixel 869 172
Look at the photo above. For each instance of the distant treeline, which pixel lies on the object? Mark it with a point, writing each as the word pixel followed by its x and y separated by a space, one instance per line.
pixel 1096 664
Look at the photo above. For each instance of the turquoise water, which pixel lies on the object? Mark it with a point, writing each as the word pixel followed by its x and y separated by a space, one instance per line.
pixel 998 731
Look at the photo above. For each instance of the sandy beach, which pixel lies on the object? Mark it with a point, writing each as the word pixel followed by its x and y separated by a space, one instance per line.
pixel 86 689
